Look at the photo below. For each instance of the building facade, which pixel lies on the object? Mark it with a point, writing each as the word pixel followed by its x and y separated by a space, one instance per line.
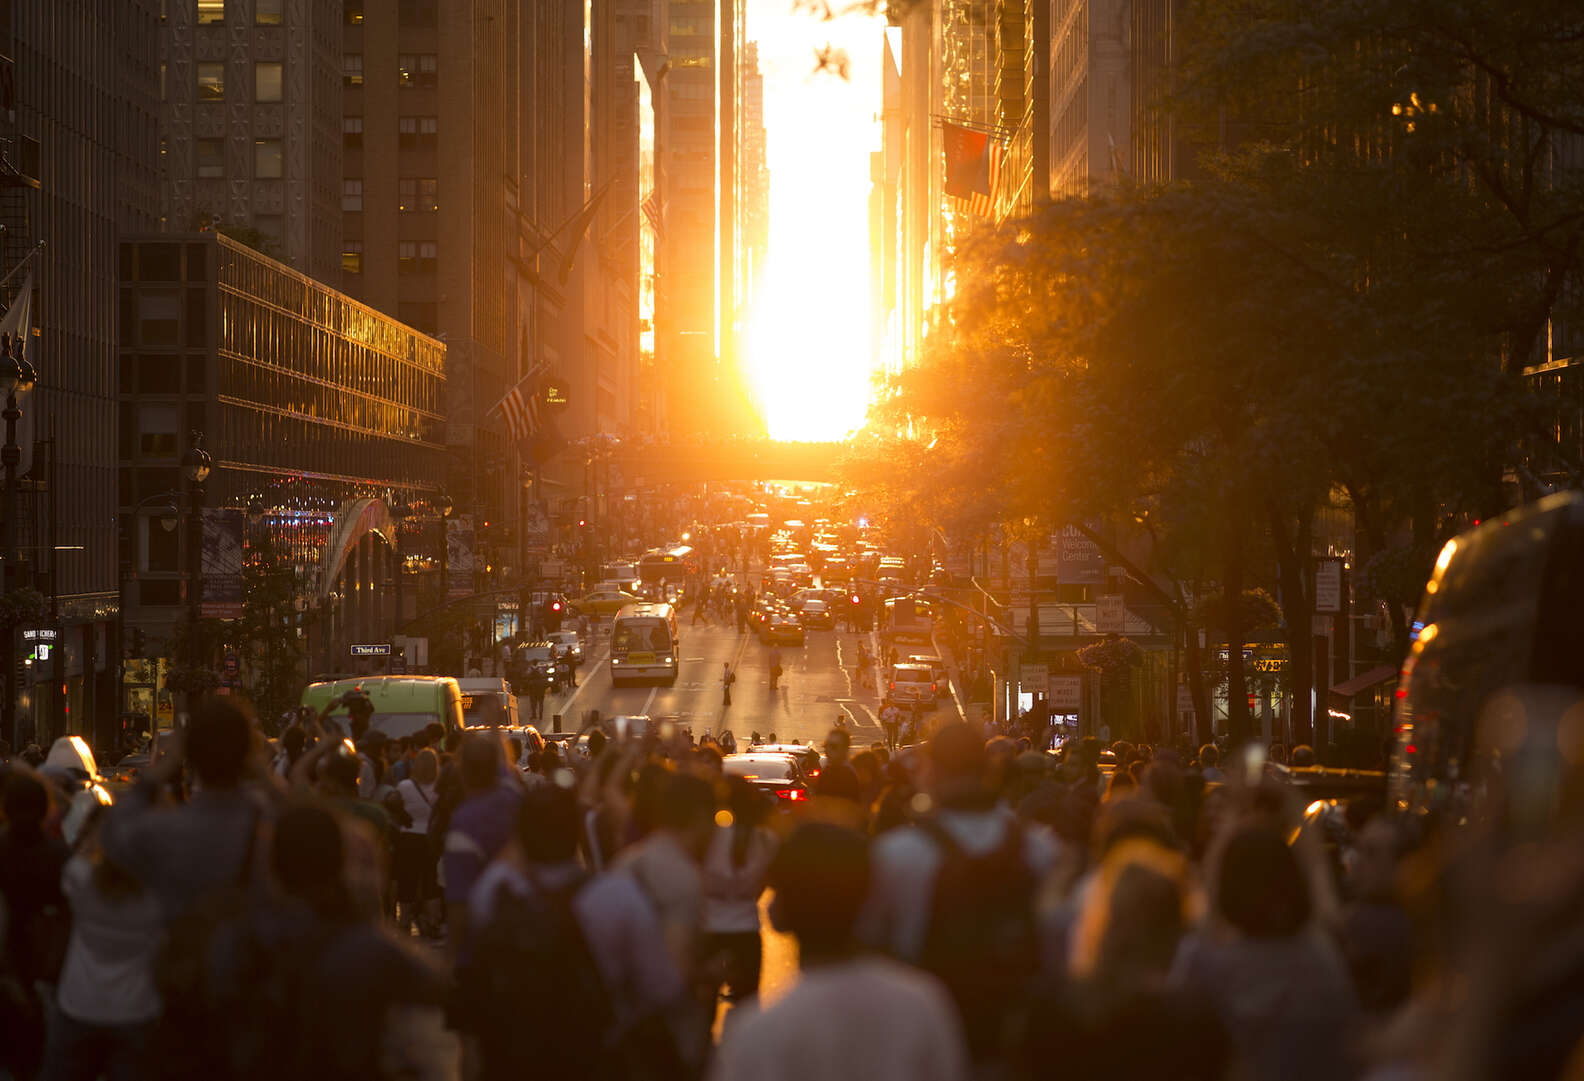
pixel 1090 95
pixel 250 123
pixel 80 157
pixel 318 412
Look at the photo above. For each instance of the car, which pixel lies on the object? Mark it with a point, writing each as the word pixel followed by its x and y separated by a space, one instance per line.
pixel 817 613
pixel 777 775
pixel 802 573
pixel 783 627
pixel 487 700
pixel 938 667
pixel 570 644
pixel 603 602
pixel 403 705
pixel 124 774
pixel 809 759
pixel 545 657
pixel 912 684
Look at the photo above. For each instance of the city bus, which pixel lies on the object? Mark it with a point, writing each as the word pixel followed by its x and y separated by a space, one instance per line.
pixel 673 566
pixel 644 642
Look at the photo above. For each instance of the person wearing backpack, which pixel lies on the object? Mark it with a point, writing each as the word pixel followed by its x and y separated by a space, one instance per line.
pixel 546 940
pixel 954 892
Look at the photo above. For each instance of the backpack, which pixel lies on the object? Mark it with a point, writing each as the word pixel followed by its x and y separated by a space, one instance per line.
pixel 532 960
pixel 981 940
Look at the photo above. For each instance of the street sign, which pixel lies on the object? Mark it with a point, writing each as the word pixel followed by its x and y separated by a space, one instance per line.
pixel 1034 678
pixel 370 649
pixel 1110 614
pixel 1065 693
pixel 1328 585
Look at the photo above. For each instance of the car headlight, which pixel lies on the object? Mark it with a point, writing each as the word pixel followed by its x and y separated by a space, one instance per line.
pixel 615 661
pixel 670 660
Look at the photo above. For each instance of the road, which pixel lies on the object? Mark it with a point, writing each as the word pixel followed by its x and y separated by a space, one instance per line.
pixel 819 682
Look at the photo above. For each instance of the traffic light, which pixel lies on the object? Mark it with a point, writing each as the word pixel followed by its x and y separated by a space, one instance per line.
pixel 554 610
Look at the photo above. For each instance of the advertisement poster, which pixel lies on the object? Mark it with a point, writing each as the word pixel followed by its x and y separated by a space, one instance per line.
pixel 222 563
pixel 536 528
pixel 459 555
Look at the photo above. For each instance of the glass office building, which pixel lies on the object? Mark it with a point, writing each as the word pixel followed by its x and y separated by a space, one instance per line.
pixel 318 412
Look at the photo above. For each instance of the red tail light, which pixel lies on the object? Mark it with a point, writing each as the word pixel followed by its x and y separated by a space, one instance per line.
pixel 934 689
pixel 792 794
pixel 813 773
pixel 893 684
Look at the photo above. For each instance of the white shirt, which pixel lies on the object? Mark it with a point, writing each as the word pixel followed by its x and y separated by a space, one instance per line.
pixel 419 801
pixel 868 1019
pixel 108 978
pixel 731 891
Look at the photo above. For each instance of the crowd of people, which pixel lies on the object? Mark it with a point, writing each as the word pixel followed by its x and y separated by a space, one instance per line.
pixel 967 908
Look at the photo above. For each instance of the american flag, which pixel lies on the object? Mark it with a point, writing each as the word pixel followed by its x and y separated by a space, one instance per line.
pixel 973 168
pixel 983 203
pixel 521 408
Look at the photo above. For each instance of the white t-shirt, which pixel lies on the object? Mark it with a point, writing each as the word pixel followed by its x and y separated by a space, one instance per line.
pixel 731 890
pixel 868 1019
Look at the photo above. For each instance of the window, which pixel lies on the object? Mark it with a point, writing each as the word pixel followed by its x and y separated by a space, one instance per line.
pixel 352 194
pixel 407 194
pixel 211 82
pixel 267 81
pixel 352 69
pixel 352 132
pixel 417 12
pixel 416 256
pixel 158 313
pixel 211 157
pixel 211 11
pixel 418 69
pixel 267 12
pixel 354 12
pixel 268 159
pixel 418 132
pixel 428 193
pixel 352 257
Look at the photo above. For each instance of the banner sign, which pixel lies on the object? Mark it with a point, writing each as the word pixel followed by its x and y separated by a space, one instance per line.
pixel 536 528
pixel 459 555
pixel 221 596
pixel 1110 614
pixel 1328 585
pixel 1078 559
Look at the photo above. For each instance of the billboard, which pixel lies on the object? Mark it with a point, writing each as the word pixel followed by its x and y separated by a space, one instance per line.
pixel 459 555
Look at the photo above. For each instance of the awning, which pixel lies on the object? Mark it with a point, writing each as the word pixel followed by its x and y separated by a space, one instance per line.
pixel 1364 681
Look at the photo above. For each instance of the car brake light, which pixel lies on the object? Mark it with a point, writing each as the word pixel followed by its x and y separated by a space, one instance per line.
pixel 893 684
pixel 793 794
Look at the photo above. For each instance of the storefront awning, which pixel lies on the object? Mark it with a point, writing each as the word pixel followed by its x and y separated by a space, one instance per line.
pixel 1364 681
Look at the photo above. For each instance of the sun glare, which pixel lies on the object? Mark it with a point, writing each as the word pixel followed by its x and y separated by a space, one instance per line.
pixel 810 354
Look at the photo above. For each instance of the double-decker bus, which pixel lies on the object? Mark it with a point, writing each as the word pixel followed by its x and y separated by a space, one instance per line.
pixel 644 643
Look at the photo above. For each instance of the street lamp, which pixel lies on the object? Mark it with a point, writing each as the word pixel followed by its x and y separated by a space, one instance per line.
pixel 400 511
pixel 16 379
pixel 196 466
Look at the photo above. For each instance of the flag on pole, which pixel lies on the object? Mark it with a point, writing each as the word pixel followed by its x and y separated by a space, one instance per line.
pixel 521 409
pixel 973 168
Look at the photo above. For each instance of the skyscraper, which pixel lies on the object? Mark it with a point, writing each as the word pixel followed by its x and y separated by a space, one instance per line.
pixel 80 150
pixel 249 124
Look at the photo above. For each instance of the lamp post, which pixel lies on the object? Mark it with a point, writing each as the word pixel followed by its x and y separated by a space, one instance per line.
pixel 444 505
pixel 196 466
pixel 400 511
pixel 16 379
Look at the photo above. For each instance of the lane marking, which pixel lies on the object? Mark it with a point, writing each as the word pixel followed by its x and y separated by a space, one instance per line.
pixel 649 701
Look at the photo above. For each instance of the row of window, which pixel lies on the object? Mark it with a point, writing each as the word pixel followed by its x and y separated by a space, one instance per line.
pixel 265 12
pixel 413 194
pixel 408 12
pixel 412 256
pixel 412 132
pixel 413 69
pixel 268 82
pixel 269 158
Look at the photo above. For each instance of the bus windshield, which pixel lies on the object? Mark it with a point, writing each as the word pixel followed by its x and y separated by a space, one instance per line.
pixel 642 634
